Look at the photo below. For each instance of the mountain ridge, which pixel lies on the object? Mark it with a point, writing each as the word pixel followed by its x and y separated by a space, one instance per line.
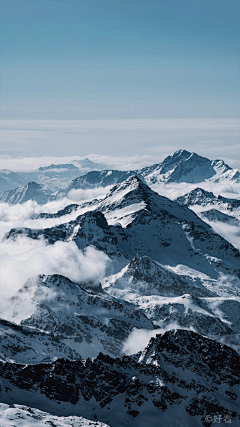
pixel 182 166
pixel 162 378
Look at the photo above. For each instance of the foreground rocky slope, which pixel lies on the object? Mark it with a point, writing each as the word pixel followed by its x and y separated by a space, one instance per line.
pixel 180 372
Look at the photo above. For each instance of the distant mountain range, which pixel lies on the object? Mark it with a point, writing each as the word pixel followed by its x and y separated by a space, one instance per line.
pixel 51 177
pixel 183 166
pixel 59 180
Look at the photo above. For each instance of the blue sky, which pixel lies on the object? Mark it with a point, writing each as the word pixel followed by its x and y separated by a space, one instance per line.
pixel 119 59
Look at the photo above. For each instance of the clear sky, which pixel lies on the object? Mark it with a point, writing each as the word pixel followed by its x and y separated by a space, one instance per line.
pixel 120 59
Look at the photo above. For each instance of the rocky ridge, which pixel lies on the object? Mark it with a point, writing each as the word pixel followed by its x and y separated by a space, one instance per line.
pixel 178 371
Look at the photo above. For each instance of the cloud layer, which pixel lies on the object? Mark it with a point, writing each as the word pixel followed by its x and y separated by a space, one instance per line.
pixel 122 144
pixel 25 258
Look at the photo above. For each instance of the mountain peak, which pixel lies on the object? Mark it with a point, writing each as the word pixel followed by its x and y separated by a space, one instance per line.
pixel 133 191
pixel 197 196
pixel 33 185
pixel 131 182
pixel 181 152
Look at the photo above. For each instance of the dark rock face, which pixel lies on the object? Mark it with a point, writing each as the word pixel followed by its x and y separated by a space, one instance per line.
pixel 179 369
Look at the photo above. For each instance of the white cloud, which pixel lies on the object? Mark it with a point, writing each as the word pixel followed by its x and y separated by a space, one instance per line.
pixel 81 195
pixel 12 216
pixel 173 190
pixel 139 338
pixel 25 258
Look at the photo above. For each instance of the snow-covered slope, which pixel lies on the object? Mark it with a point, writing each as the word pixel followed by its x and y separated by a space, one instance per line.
pixel 23 416
pixel 77 321
pixel 172 299
pixel 63 212
pixel 29 344
pixel 145 276
pixel 179 379
pixel 31 191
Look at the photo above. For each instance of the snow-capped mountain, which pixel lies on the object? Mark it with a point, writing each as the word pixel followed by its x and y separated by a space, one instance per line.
pixel 179 372
pixel 76 322
pixel 136 219
pixel 144 276
pixel 31 191
pixel 204 198
pixel 184 166
pixel 184 301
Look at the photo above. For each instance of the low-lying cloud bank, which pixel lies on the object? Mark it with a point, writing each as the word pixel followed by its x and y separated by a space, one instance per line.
pixel 173 190
pixel 110 140
pixel 20 215
pixel 25 258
